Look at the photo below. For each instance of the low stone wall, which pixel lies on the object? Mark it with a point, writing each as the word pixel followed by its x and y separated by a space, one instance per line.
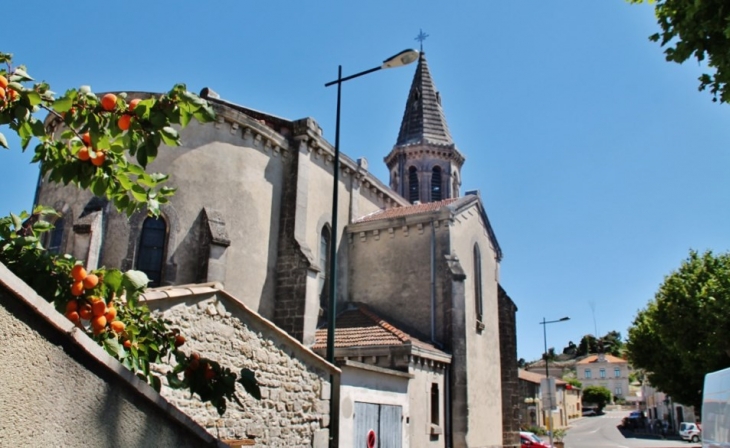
pixel 58 387
pixel 295 383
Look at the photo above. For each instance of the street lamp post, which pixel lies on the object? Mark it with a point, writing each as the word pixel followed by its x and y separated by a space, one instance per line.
pixel 550 404
pixel 405 57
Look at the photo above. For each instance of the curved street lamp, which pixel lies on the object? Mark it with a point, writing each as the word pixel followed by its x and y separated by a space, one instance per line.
pixel 405 57
pixel 550 404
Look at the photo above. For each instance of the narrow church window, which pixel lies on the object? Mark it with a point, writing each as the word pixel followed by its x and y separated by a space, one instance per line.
pixel 436 184
pixel 324 256
pixel 412 184
pixel 434 404
pixel 152 248
pixel 478 283
pixel 56 236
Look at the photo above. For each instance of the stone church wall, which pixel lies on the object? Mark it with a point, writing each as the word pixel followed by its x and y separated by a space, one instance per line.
pixel 295 383
pixel 482 363
pixel 390 270
pixel 59 388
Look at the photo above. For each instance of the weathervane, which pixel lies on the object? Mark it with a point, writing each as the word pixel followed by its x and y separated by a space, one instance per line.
pixel 421 37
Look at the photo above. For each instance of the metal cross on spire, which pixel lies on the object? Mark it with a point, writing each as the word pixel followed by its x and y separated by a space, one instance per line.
pixel 421 37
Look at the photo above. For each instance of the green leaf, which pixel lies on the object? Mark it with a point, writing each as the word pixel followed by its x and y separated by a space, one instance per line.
pixel 139 193
pixel 124 181
pixel 63 104
pixel 113 280
pixel 169 136
pixel 34 98
pixel 111 345
pixel 136 280
pixel 3 141
pixel 22 74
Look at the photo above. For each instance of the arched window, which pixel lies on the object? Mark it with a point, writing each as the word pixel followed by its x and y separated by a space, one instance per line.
pixel 152 249
pixel 325 238
pixel 478 283
pixel 55 237
pixel 412 184
pixel 436 183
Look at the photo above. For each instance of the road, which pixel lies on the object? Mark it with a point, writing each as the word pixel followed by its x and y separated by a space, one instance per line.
pixel 602 432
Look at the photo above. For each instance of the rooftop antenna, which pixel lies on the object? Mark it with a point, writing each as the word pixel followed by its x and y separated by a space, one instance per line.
pixel 420 38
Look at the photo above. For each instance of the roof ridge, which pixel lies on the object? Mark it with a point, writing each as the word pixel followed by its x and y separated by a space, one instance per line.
pixel 404 337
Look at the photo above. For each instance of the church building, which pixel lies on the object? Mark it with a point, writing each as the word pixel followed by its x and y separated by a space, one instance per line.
pixel 425 334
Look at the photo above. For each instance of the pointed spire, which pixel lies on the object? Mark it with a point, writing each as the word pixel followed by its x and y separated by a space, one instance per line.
pixel 423 120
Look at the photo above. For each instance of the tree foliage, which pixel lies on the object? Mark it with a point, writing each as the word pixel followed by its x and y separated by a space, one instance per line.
pixel 684 332
pixel 701 30
pixel 610 343
pixel 598 395
pixel 104 145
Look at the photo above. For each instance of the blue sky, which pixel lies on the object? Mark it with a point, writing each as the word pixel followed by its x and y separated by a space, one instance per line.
pixel 599 163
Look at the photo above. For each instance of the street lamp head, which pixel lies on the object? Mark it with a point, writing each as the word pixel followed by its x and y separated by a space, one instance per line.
pixel 405 57
pixel 564 319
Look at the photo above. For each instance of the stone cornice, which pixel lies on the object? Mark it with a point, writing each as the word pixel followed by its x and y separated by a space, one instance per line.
pixel 446 152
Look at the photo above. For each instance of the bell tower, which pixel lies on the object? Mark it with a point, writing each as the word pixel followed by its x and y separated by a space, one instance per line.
pixel 424 165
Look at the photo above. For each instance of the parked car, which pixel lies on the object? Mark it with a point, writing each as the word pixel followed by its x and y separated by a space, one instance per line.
pixel 531 440
pixel 690 431
pixel 588 412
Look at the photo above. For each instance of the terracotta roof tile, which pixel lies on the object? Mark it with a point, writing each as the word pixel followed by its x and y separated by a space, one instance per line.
pixel 360 327
pixel 594 358
pixel 534 377
pixel 398 212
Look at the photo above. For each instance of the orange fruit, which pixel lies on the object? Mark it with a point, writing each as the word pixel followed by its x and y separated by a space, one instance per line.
pixel 78 273
pixel 111 313
pixel 86 138
pixel 83 154
pixel 117 326
pixel 12 94
pixel 99 159
pixel 2 94
pixel 127 343
pixel 179 340
pixel 124 122
pixel 98 308
pixel 85 311
pixel 209 373
pixel 98 322
pixel 91 281
pixel 133 104
pixel 3 82
pixel 73 316
pixel 109 102
pixel 72 305
pixel 77 288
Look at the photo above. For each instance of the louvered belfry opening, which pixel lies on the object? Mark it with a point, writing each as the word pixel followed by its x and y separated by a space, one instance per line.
pixel 413 184
pixel 436 184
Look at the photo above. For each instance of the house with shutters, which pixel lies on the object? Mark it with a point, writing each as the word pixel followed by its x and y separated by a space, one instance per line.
pixel 425 333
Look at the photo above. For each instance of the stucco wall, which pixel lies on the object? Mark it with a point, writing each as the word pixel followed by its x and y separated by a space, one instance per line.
pixel 367 386
pixel 424 375
pixel 390 270
pixel 483 374
pixel 295 387
pixel 58 388
pixel 221 167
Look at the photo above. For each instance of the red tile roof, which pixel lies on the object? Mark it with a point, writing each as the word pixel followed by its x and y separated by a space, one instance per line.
pixel 360 327
pixel 534 377
pixel 594 358
pixel 397 212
